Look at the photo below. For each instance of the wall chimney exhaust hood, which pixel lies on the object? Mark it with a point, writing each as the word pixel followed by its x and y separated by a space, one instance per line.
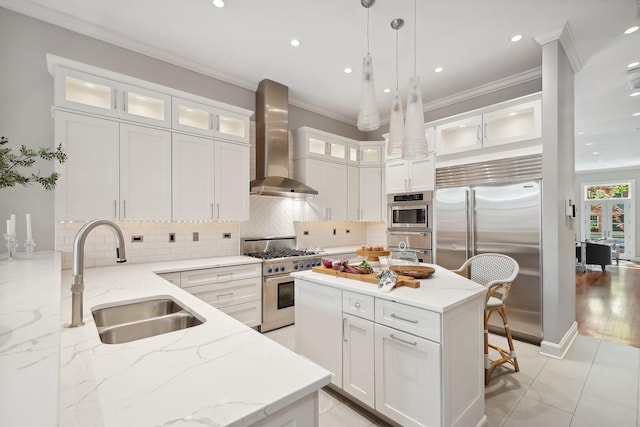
pixel 272 144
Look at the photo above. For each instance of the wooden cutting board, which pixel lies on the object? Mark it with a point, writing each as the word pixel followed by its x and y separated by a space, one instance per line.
pixel 371 278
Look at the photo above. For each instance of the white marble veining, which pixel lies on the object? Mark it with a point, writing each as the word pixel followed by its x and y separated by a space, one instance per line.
pixel 218 373
pixel 442 291
pixel 29 340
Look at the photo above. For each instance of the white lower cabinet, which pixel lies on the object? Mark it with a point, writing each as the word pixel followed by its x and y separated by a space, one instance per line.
pixel 357 363
pixel 407 377
pixel 415 366
pixel 234 290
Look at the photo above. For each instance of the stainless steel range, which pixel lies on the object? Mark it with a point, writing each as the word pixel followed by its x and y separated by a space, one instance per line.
pixel 280 258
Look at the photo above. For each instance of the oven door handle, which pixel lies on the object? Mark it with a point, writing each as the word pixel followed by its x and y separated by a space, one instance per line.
pixel 412 233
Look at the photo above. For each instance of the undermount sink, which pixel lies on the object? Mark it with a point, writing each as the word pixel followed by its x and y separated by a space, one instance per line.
pixel 133 320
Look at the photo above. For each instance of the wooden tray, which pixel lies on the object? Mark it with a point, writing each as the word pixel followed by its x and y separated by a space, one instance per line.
pixel 371 278
pixel 372 255
pixel 416 271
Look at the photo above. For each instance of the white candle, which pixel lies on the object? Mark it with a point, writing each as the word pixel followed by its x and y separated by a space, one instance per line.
pixel 13 224
pixel 8 227
pixel 29 236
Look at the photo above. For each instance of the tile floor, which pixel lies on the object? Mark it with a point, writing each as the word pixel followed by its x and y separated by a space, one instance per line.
pixel 595 385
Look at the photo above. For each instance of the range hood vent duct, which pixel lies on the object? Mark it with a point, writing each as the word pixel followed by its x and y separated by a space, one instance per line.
pixel 272 144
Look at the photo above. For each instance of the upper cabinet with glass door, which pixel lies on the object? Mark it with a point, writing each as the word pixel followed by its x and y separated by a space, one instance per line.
pixel 86 92
pixel 310 142
pixel 207 120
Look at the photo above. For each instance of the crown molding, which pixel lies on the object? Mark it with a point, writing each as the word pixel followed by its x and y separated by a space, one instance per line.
pixel 564 35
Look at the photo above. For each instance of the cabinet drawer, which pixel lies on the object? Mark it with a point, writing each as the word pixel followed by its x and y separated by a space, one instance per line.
pixel 208 276
pixel 229 293
pixel 358 305
pixel 249 313
pixel 416 321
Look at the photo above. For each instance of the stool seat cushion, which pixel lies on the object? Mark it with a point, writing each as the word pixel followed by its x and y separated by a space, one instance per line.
pixel 494 302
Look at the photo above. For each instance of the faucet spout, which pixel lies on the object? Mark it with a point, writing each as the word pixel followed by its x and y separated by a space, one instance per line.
pixel 77 280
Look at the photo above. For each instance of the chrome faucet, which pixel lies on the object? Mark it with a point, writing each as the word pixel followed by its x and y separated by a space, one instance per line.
pixel 77 281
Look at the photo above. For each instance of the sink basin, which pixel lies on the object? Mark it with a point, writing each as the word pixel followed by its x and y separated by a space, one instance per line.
pixel 133 320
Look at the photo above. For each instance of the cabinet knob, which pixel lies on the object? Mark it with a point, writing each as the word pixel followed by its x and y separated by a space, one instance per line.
pixel 358 305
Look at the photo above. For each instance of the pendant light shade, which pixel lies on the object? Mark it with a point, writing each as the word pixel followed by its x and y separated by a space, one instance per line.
pixel 396 119
pixel 415 142
pixel 368 116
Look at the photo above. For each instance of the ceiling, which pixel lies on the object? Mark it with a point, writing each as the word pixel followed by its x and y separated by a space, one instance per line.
pixel 248 40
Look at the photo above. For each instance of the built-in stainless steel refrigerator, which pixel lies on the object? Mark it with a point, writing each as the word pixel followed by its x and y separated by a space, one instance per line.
pixel 501 219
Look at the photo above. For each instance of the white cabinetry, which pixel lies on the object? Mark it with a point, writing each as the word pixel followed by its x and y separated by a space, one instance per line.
pixel 145 173
pixel 235 290
pixel 319 326
pixel 330 180
pixel 310 142
pixel 92 94
pixel 115 171
pixel 353 193
pixel 231 182
pixel 404 176
pixel 416 366
pixel 89 179
pixel 194 117
pixel 514 121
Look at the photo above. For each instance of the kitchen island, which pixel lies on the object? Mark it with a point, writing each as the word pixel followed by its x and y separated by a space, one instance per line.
pixel 412 355
pixel 218 373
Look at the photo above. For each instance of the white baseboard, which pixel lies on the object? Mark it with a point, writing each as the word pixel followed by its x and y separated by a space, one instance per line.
pixel 560 349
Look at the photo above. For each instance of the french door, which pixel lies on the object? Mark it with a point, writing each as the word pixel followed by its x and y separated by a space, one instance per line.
pixel 609 219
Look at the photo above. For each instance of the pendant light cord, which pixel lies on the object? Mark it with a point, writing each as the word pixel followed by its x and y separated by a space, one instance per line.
pixel 415 36
pixel 368 53
pixel 397 72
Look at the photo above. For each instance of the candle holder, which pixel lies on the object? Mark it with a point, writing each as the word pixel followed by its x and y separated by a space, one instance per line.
pixel 29 246
pixel 12 245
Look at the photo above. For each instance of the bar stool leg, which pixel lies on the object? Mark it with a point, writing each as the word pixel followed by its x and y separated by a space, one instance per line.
pixel 507 330
pixel 487 361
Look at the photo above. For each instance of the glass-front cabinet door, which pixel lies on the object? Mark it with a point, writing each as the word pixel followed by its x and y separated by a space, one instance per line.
pixel 81 91
pixel 203 119
pixel 517 123
pixel 146 106
pixel 232 126
pixel 458 136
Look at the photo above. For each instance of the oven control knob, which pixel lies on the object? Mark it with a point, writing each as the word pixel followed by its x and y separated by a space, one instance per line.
pixel 269 270
pixel 308 265
pixel 282 268
pixel 276 269
pixel 295 266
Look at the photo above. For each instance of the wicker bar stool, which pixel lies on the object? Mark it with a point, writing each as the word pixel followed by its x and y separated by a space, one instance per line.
pixel 496 272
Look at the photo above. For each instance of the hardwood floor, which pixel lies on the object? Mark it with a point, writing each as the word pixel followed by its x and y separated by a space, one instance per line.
pixel 608 303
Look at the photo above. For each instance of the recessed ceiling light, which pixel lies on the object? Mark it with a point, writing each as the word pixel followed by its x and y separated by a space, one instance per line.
pixel 589 144
pixel 516 38
pixel 218 3
pixel 386 90
pixel 635 94
pixel 439 70
pixel 595 152
pixel 633 64
pixel 348 70
pixel 581 132
pixel 636 114
pixel 295 42
pixel 631 29
pixel 463 126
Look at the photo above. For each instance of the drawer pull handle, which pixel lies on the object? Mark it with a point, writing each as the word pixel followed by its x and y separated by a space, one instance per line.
pixel 402 318
pixel 404 341
pixel 344 329
pixel 357 305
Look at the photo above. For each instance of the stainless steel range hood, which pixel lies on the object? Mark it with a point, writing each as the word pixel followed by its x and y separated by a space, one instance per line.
pixel 272 144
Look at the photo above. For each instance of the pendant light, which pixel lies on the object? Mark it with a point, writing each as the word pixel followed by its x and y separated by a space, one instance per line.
pixel 368 116
pixel 415 144
pixel 396 120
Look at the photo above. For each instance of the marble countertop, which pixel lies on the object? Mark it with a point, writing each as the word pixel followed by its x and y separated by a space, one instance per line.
pixel 217 373
pixel 440 292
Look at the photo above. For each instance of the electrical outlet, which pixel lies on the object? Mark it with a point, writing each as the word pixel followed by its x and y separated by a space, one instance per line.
pixel 305 233
pixel 226 235
pixel 137 239
pixel 196 236
pixel 334 231
pixel 172 237
pixel 347 231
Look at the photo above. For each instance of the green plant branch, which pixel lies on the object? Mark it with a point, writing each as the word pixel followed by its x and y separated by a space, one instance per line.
pixel 10 163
